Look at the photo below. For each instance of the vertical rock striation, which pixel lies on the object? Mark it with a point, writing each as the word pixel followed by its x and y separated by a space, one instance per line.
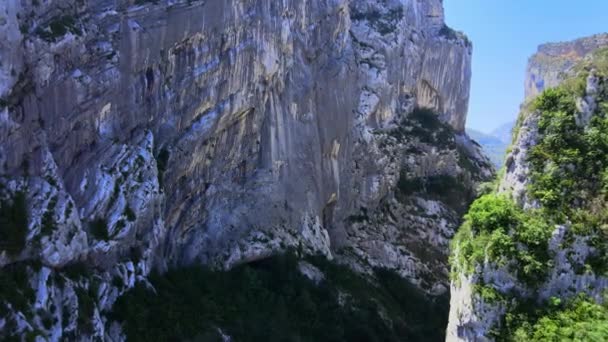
pixel 552 62
pixel 156 134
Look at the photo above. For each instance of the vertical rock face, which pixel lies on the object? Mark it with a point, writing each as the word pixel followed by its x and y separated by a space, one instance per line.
pixel 556 201
pixel 547 68
pixel 164 133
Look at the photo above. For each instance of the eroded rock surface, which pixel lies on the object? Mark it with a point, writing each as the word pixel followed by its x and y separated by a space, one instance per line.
pixel 156 134
pixel 547 68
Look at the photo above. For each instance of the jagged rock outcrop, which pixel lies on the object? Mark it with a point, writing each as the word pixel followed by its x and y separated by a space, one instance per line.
pixel 553 61
pixel 156 134
pixel 552 252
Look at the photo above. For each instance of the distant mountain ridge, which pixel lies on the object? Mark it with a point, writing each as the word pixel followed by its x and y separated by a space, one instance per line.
pixel 494 144
pixel 504 132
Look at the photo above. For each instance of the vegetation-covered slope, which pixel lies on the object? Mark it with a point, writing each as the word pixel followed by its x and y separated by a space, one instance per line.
pixel 539 265
pixel 272 300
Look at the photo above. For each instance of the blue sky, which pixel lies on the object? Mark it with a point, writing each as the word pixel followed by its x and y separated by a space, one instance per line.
pixel 504 34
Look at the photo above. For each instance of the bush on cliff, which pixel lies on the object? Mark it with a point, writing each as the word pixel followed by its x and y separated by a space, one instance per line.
pixel 580 320
pixel 498 231
pixel 568 161
pixel 13 224
pixel 568 180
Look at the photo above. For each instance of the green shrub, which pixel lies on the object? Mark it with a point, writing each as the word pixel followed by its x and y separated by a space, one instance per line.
pixel 448 32
pixel 554 100
pixel 576 85
pixel 429 128
pixel 581 320
pixel 58 27
pixel 500 247
pixel 425 124
pixel 76 271
pixel 452 34
pixel 48 219
pixel 453 191
pixel 569 166
pixel 534 231
pixel 496 230
pixel 130 214
pixel 408 186
pixel 99 229
pixel 15 288
pixel 427 118
pixel 13 224
pixel 86 309
pixel 489 294
pixel 491 212
pixel 161 164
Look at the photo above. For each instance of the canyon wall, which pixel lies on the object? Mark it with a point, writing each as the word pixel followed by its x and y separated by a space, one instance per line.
pixel 140 135
pixel 552 62
pixel 533 251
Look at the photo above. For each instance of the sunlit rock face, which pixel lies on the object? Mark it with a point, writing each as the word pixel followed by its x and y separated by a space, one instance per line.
pixel 475 316
pixel 546 68
pixel 165 133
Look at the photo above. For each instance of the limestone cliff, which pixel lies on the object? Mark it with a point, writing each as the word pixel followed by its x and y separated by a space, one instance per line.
pixel 533 253
pixel 552 62
pixel 139 135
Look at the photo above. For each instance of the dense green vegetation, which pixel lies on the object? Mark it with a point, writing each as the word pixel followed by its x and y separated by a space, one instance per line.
pixel 452 34
pixel 497 229
pixel 569 169
pixel 581 320
pixel 569 179
pixel 451 190
pixel 15 289
pixel 13 223
pixel 425 125
pixel 454 190
pixel 578 319
pixel 569 161
pixel 429 129
pixel 271 300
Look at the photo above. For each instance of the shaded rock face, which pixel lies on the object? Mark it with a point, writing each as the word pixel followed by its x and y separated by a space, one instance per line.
pixel 159 134
pixel 552 61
